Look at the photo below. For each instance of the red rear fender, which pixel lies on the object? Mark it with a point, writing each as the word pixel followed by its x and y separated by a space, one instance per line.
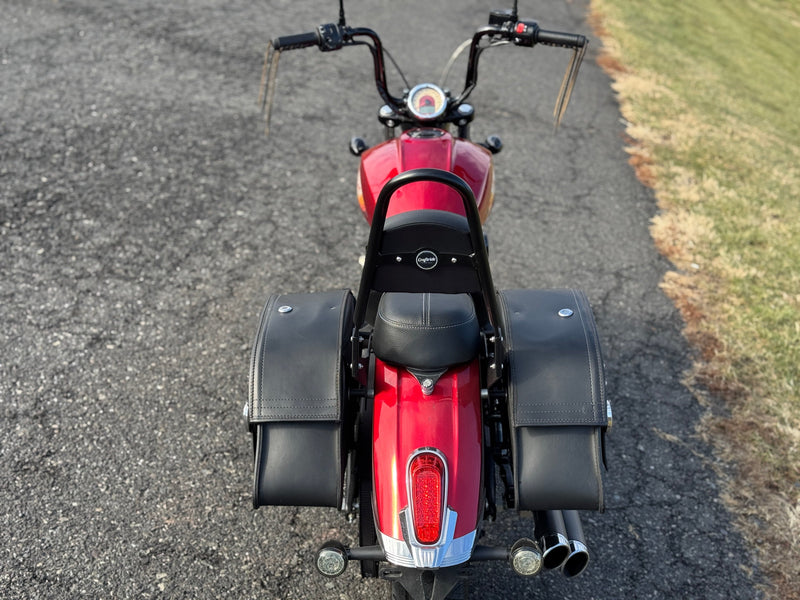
pixel 448 420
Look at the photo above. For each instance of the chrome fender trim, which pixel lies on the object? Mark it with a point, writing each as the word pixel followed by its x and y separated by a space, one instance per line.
pixel 446 553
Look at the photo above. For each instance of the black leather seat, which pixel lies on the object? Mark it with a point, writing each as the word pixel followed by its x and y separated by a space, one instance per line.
pixel 426 331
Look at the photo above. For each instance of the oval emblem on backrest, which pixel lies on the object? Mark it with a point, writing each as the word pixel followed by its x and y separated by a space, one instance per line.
pixel 427 260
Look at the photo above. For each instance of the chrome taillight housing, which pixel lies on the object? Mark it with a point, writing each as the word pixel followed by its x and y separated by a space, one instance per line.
pixel 427 522
pixel 426 476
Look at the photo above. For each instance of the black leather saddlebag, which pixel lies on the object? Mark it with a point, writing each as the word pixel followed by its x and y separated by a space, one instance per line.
pixel 297 409
pixel 556 399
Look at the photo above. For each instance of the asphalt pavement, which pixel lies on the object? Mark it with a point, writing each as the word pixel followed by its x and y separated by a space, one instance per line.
pixel 145 219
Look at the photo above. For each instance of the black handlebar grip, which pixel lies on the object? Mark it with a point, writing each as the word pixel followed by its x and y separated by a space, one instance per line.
pixel 297 41
pixel 556 38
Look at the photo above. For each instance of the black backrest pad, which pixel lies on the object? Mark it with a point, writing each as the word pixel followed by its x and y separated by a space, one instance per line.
pixel 449 269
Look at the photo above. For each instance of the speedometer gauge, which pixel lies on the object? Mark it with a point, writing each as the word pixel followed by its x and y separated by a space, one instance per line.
pixel 426 102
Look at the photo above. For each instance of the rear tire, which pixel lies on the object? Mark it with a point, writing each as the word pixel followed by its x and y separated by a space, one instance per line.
pixel 399 592
pixel 460 592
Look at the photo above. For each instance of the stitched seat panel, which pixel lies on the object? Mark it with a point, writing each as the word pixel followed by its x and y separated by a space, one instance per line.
pixel 426 331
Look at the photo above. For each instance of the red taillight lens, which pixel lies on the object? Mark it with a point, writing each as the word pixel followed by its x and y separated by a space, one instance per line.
pixel 427 483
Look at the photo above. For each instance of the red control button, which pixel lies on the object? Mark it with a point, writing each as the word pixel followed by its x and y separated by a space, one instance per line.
pixel 521 27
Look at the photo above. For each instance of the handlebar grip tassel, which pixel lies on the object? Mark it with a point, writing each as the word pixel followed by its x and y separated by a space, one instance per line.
pixel 568 83
pixel 268 75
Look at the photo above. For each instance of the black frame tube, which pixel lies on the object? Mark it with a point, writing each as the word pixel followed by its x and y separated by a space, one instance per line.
pixel 479 554
pixel 480 257
pixel 375 553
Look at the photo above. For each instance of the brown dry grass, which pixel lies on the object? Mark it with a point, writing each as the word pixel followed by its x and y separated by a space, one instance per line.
pixel 765 511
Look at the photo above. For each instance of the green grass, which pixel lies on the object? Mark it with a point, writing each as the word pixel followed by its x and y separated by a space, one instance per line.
pixel 712 93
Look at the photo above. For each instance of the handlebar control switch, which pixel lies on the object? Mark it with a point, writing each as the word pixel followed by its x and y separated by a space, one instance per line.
pixel 330 37
pixel 500 17
pixel 525 33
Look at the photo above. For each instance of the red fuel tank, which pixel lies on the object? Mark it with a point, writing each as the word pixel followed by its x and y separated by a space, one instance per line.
pixel 426 148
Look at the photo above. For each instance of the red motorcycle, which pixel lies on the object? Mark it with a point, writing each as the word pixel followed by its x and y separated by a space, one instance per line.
pixel 401 405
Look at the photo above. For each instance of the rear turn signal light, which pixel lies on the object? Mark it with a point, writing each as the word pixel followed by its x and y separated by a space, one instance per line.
pixel 427 490
pixel 332 559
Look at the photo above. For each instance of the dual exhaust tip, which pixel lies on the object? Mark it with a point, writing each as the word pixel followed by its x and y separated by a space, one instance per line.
pixel 563 543
pixel 560 544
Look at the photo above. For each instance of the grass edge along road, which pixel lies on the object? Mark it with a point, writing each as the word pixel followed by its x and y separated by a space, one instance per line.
pixel 710 91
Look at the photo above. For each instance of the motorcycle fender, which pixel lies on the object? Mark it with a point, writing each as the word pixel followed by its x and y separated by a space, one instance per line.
pixel 448 421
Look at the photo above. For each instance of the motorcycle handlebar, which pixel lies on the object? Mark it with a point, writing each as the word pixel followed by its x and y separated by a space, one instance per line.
pixel 297 41
pixel 523 33
pixel 329 37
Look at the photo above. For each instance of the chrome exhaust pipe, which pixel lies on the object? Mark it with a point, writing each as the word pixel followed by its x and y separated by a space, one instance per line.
pixel 551 532
pixel 578 557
